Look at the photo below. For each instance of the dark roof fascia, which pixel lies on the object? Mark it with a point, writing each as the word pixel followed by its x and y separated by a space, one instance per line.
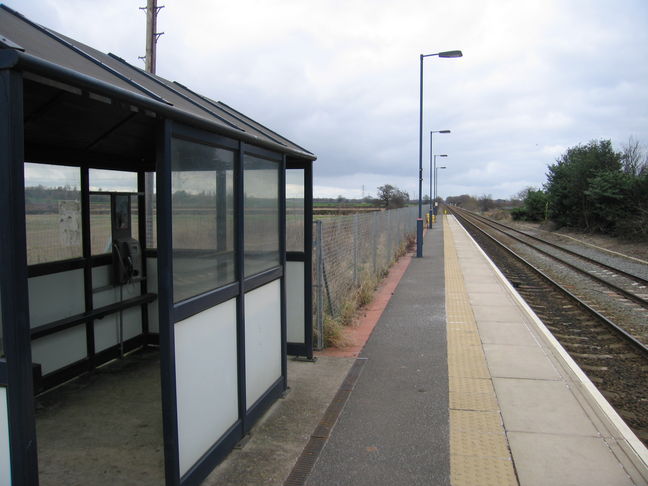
pixel 12 59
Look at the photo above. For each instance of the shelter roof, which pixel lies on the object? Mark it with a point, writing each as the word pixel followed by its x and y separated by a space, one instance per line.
pixel 33 43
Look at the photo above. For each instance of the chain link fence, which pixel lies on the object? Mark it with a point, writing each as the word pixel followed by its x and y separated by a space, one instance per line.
pixel 350 250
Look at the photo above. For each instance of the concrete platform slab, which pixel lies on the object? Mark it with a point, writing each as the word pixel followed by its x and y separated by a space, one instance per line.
pixel 541 406
pixel 502 312
pixel 543 459
pixel 506 333
pixel 530 362
pixel 492 298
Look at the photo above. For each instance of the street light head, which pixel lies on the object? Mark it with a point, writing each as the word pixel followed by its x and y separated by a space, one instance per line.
pixel 442 155
pixel 443 131
pixel 451 54
pixel 442 167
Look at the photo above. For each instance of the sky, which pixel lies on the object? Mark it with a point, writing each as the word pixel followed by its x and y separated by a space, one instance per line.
pixel 341 78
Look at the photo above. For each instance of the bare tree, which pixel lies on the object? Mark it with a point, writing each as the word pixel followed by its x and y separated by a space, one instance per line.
pixel 392 196
pixel 634 160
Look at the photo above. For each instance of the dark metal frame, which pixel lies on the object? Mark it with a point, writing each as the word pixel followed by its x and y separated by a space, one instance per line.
pixel 170 313
pixel 13 284
pixel 305 348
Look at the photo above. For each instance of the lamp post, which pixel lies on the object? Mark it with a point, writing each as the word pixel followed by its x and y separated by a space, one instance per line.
pixel 431 173
pixel 419 221
pixel 435 177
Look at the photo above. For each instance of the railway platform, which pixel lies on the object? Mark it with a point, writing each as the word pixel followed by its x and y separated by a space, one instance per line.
pixel 459 384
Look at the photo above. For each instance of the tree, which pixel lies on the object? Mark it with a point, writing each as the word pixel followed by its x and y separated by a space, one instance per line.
pixel 464 201
pixel 485 203
pixel 392 197
pixel 534 207
pixel 608 195
pixel 568 180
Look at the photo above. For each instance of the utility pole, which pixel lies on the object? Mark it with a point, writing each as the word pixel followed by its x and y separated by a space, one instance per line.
pixel 149 65
pixel 151 35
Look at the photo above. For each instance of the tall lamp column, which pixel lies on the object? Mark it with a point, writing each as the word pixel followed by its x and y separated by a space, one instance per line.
pixel 419 221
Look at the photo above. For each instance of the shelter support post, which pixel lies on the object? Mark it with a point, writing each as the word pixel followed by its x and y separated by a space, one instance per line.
pixel 13 285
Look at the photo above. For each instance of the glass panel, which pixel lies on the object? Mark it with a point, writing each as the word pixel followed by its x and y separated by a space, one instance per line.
pixel 202 201
pixel 261 214
pixel 295 210
pixel 52 212
pixel 101 225
pixel 112 180
pixel 1 339
pixel 151 210
pixel 100 232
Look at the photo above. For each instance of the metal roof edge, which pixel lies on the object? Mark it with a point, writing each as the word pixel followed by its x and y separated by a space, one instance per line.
pixel 240 119
pixel 266 128
pixel 154 79
pixel 9 58
pixel 27 62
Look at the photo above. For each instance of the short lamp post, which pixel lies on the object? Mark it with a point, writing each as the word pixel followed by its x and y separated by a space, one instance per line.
pixel 431 174
pixel 419 221
pixel 433 205
pixel 436 178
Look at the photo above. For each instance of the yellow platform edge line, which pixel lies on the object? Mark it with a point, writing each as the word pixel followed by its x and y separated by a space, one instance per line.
pixel 479 451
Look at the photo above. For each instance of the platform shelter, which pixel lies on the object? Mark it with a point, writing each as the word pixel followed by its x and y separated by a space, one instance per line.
pixel 182 225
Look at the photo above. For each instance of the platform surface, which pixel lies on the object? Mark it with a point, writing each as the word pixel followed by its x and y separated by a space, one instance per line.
pixel 459 388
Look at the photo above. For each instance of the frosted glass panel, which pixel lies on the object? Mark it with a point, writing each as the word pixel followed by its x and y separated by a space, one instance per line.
pixel 206 380
pixel 295 302
pixel 262 340
pixel 5 464
pixel 61 349
pixel 107 329
pixel 55 296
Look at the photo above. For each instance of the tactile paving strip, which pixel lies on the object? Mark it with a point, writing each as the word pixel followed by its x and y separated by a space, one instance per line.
pixel 479 452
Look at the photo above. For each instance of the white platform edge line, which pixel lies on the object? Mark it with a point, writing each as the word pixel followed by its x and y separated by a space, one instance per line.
pixel 639 452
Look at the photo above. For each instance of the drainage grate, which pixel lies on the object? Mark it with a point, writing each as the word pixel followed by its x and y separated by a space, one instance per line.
pixel 320 435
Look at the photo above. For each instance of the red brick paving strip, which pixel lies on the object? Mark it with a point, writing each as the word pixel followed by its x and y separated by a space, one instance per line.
pixel 358 333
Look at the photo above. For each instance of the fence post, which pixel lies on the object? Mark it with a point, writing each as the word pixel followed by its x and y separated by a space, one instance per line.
pixel 355 249
pixel 374 224
pixel 389 237
pixel 319 286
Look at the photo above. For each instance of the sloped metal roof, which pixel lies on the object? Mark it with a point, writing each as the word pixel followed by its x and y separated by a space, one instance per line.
pixel 32 42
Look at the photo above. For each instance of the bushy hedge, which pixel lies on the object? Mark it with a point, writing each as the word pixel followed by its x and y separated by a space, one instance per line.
pixel 590 188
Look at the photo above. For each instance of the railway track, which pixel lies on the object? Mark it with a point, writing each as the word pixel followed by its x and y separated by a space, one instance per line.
pixel 629 285
pixel 613 358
